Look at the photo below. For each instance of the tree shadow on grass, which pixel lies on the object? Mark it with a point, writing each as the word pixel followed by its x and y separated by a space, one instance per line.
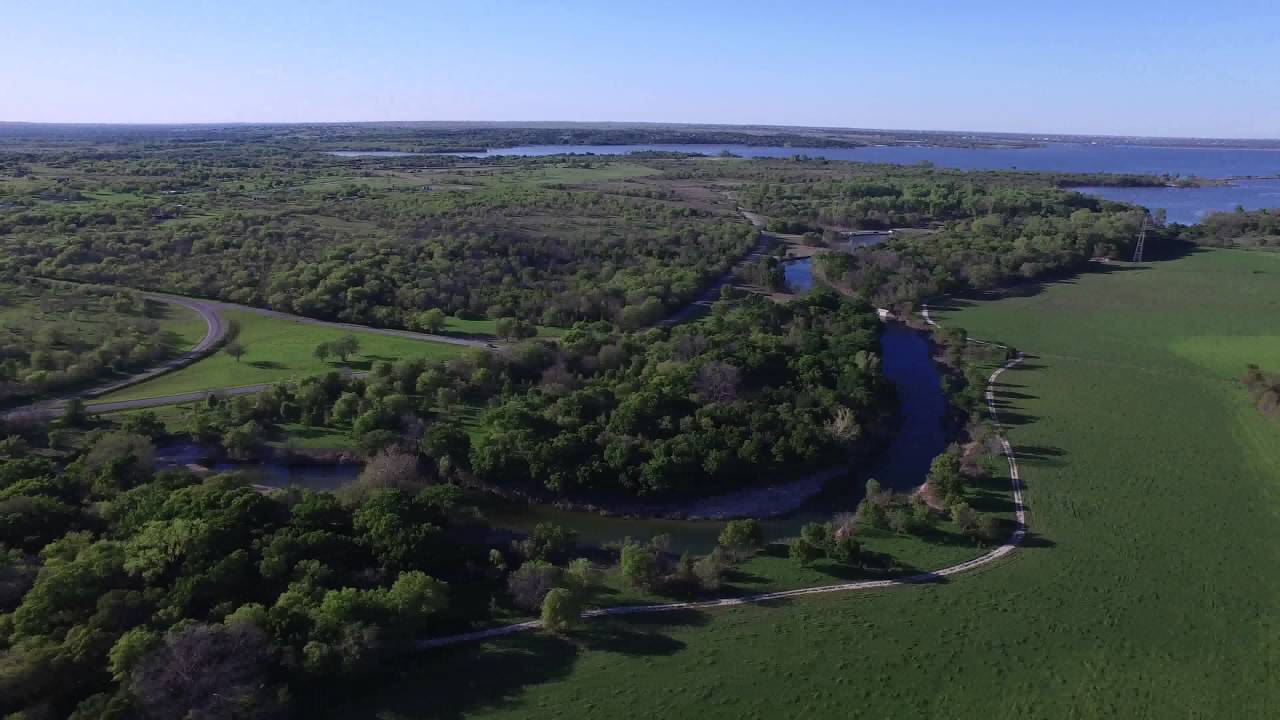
pixel 1040 455
pixel 455 682
pixel 265 365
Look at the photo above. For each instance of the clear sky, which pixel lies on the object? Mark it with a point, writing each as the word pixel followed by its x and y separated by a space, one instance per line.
pixel 1149 67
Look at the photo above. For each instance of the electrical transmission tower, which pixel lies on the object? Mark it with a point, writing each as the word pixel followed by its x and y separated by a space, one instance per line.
pixel 1142 241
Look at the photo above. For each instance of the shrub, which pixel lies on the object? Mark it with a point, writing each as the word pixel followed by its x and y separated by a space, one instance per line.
pixel 530 584
pixel 742 537
pixel 639 566
pixel 560 610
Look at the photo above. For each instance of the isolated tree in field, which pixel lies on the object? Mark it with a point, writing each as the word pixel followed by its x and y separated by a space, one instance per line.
pixel 560 610
pixel 323 351
pixel 345 346
pixel 233 331
pixel 234 349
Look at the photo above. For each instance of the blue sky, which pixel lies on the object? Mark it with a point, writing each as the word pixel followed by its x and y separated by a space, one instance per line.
pixel 1175 68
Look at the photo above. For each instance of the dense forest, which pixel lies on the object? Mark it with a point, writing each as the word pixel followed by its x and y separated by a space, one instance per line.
pixel 543 255
pixel 757 390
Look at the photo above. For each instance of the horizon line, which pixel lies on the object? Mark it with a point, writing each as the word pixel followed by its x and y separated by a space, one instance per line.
pixel 568 123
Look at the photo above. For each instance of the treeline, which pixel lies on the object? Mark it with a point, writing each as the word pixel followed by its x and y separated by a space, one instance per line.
pixel 902 199
pixel 1255 228
pixel 981 238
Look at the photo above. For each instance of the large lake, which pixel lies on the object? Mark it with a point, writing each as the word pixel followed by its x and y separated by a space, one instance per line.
pixel 1182 204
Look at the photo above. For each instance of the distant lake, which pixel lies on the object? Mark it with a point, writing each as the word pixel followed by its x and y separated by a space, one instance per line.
pixel 1061 157
pixel 1184 205
pixel 1189 205
pixel 370 153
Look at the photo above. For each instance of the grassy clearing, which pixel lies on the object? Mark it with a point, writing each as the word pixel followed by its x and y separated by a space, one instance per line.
pixel 489 328
pixel 1147 590
pixel 280 350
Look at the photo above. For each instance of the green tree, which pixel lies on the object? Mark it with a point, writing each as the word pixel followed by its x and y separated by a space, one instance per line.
pixel 235 349
pixel 802 551
pixel 128 649
pixel 560 610
pixel 742 536
pixel 945 478
pixel 430 321
pixel 345 346
pixel 639 566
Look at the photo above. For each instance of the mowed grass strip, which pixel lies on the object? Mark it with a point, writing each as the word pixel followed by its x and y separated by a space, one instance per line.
pixel 279 350
pixel 1147 589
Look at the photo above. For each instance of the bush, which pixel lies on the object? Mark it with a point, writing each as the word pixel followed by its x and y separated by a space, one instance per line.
pixel 802 551
pixel 547 542
pixel 709 570
pixel 530 584
pixel 639 566
pixel 742 537
pixel 560 610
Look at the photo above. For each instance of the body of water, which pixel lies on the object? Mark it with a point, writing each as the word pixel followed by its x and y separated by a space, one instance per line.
pixel 798 274
pixel 313 476
pixel 1189 205
pixel 1185 205
pixel 1059 157
pixel 901 466
pixel 370 153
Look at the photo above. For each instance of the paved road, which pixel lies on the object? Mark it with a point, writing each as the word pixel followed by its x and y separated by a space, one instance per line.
pixel 215 330
pixel 425 337
pixel 1015 540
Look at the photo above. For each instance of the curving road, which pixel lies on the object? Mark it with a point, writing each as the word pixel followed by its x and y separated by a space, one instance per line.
pixel 216 330
pixel 425 337
pixel 1015 539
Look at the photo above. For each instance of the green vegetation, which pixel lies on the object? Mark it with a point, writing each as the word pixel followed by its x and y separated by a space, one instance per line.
pixel 1152 488
pixel 757 390
pixel 1144 589
pixel 1259 228
pixel 60 337
pixel 277 350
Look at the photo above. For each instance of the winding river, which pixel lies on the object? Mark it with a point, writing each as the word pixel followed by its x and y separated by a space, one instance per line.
pixel 901 466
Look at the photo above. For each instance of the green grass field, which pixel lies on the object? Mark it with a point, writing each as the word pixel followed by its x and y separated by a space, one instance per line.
pixel 1147 589
pixel 280 350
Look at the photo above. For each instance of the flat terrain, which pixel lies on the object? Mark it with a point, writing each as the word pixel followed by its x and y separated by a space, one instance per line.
pixel 1147 589
pixel 279 350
